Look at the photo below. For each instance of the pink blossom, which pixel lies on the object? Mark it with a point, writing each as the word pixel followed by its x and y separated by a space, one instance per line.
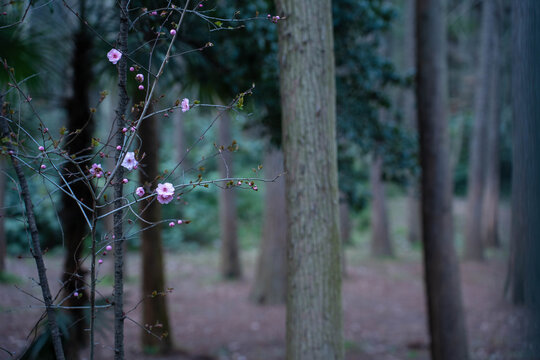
pixel 131 68
pixel 129 161
pixel 41 148
pixel 76 294
pixel 255 188
pixel 114 56
pixel 124 130
pixel 118 147
pixel 239 183
pixel 185 105
pixel 165 193
pixel 139 77
pixel 45 130
pixel 173 32
pixel 108 248
pixel 154 13
pixel 141 87
pixel 171 224
pixel 200 5
pixel 125 181
pixel 96 170
pixel 100 261
pixel 180 222
pixel 139 191
pixel 43 166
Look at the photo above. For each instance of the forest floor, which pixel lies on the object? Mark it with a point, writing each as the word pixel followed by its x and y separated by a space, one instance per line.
pixel 384 309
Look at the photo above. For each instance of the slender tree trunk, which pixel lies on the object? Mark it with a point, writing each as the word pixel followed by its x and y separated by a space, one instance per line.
pixel 308 98
pixel 490 195
pixel 34 236
pixel 230 257
pixel 477 154
pixel 524 267
pixel 73 221
pixel 271 278
pixel 380 237
pixel 3 243
pixel 409 112
pixel 443 288
pixel 153 277
pixel 118 292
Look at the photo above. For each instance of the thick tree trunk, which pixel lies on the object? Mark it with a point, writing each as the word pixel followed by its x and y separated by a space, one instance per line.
pixel 307 79
pixel 477 155
pixel 490 195
pixel 524 286
pixel 73 221
pixel 443 289
pixel 380 236
pixel 271 278
pixel 3 243
pixel 153 277
pixel 230 256
pixel 414 220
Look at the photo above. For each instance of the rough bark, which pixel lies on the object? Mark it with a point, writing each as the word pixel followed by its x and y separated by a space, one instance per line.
pixel 73 221
pixel 307 83
pixel 230 257
pixel 118 292
pixel 270 283
pixel 153 277
pixel 443 289
pixel 477 155
pixel 34 236
pixel 414 227
pixel 490 195
pixel 380 236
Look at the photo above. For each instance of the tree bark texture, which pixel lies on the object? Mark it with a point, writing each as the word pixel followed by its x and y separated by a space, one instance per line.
pixel 380 236
pixel 152 272
pixel 345 229
pixel 490 195
pixel 525 227
pixel 230 254
pixel 443 289
pixel 118 292
pixel 307 84
pixel 271 277
pixel 73 221
pixel 477 155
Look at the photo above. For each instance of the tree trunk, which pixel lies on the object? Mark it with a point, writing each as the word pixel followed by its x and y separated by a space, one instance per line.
pixel 230 257
pixel 477 155
pixel 409 112
pixel 271 277
pixel 153 277
pixel 73 221
pixel 443 288
pixel 490 195
pixel 308 99
pixel 524 267
pixel 3 243
pixel 380 237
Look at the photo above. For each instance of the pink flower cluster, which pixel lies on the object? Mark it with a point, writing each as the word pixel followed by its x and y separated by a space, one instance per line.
pixel 165 193
pixel 96 170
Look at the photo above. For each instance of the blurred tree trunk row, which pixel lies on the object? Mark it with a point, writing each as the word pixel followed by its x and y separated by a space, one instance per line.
pixel 483 184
